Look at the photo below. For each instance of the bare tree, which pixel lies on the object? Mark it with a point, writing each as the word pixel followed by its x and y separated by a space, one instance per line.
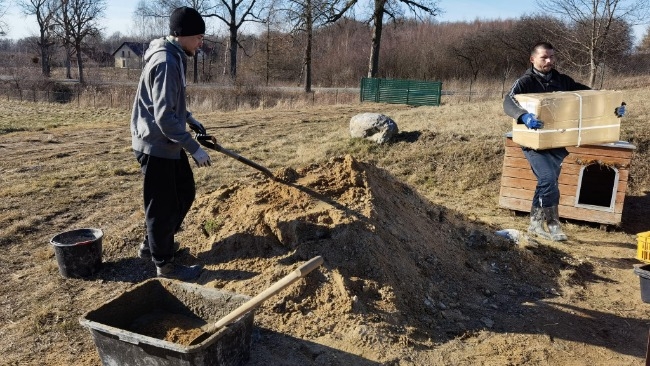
pixel 593 23
pixel 518 39
pixel 3 26
pixel 76 20
pixel 471 50
pixel 271 19
pixel 45 11
pixel 234 13
pixel 306 15
pixel 394 8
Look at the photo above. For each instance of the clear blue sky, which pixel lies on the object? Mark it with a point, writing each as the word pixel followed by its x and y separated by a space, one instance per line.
pixel 468 10
pixel 118 15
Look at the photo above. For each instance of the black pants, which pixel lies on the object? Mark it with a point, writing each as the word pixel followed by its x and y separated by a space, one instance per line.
pixel 168 192
pixel 546 165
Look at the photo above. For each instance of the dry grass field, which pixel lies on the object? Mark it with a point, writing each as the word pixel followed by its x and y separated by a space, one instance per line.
pixel 421 197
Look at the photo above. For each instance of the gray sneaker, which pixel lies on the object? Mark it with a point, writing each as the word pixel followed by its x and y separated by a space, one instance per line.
pixel 179 271
pixel 145 253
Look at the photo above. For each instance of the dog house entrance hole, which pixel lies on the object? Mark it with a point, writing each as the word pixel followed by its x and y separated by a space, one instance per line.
pixel 597 187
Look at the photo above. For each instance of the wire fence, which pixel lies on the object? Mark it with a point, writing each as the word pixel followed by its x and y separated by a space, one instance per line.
pixel 98 99
pixel 199 99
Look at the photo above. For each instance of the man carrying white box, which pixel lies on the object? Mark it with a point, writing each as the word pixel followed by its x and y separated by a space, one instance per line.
pixel 547 163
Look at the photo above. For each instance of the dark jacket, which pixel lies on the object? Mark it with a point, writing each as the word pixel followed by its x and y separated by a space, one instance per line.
pixel 532 82
pixel 159 111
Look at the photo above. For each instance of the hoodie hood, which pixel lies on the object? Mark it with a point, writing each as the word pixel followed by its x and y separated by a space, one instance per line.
pixel 155 46
pixel 158 49
pixel 160 45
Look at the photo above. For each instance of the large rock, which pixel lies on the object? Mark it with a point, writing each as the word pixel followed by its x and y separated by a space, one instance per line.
pixel 373 126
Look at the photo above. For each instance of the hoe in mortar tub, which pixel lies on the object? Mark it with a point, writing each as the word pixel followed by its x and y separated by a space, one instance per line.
pixel 162 322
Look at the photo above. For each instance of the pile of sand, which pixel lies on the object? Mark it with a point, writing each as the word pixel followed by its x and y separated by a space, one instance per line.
pixel 397 267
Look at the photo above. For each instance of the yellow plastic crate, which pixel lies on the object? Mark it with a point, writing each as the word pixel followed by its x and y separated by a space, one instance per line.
pixel 643 246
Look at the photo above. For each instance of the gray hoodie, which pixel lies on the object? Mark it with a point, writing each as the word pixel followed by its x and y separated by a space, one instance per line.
pixel 159 111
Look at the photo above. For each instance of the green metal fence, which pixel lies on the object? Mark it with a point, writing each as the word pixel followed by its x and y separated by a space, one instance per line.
pixel 411 92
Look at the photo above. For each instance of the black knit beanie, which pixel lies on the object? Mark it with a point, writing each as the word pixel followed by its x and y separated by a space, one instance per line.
pixel 186 21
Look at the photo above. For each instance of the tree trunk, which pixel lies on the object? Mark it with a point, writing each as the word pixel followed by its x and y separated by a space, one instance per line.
pixel 233 52
pixel 309 24
pixel 592 50
pixel 225 59
pixel 44 45
pixel 592 68
pixel 471 84
pixel 68 73
pixel 45 59
pixel 378 23
pixel 308 64
pixel 80 67
pixel 268 52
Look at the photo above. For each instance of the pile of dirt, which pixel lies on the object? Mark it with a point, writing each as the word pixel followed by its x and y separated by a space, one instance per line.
pixel 397 267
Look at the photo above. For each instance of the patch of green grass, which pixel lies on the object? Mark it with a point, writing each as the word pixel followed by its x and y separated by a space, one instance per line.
pixel 211 227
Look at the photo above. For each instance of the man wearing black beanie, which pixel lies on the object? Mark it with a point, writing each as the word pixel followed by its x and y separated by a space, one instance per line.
pixel 160 140
pixel 186 21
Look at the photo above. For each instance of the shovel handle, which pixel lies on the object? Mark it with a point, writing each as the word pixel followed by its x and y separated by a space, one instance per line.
pixel 244 160
pixel 211 143
pixel 261 297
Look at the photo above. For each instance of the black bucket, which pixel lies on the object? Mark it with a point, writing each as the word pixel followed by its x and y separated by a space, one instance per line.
pixel 78 252
pixel 644 276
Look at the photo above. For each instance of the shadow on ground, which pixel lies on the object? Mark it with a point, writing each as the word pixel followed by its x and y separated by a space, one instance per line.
pixel 273 348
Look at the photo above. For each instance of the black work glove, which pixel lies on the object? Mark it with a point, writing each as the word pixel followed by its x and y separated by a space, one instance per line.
pixel 196 126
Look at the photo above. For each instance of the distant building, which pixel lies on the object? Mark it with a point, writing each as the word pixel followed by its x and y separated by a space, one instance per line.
pixel 129 55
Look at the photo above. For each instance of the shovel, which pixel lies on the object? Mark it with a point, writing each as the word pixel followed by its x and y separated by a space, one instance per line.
pixel 256 301
pixel 211 143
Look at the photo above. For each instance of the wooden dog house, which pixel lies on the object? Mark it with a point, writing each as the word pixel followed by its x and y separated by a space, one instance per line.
pixel 592 183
